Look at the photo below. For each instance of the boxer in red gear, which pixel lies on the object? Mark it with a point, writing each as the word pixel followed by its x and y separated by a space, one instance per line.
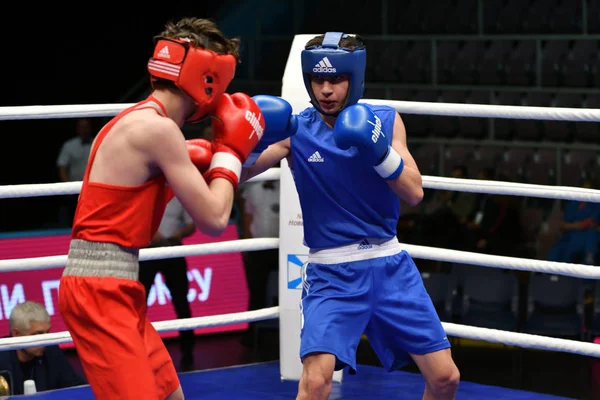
pixel 138 161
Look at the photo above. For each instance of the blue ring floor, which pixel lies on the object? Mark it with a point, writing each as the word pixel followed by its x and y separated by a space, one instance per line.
pixel 262 381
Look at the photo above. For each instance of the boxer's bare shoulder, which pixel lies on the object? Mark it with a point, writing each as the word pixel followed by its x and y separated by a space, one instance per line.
pixel 128 154
pixel 150 132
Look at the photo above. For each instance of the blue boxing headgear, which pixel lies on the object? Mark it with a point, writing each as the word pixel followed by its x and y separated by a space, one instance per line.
pixel 329 59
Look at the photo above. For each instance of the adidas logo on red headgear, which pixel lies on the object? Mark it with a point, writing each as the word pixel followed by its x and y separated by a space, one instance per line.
pixel 164 52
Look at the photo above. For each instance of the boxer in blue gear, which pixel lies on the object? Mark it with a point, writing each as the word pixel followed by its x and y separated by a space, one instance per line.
pixel 351 166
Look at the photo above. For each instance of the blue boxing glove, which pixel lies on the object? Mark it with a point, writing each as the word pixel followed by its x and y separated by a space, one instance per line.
pixel 358 126
pixel 279 124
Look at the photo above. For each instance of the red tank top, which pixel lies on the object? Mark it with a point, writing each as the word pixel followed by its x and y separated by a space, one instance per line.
pixel 126 215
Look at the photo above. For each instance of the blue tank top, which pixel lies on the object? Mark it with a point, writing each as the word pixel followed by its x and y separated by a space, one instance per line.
pixel 343 199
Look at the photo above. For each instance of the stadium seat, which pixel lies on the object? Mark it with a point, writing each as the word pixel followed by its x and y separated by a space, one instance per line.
pixel 489 298
pixel 520 65
pixel 461 18
pixel 446 53
pixel 580 63
pixel 554 52
pixel 440 289
pixel 566 17
pixel 420 124
pixel 413 63
pixel 538 15
pixel 467 62
pixel 593 10
pixel 427 157
pixel 457 155
pixel 405 17
pixel 507 17
pixel 554 306
pixel 492 68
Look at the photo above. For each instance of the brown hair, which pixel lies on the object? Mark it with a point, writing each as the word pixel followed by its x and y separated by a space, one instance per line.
pixel 351 42
pixel 202 33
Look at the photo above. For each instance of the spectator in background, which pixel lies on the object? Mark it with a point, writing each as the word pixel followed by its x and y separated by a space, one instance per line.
pixel 47 366
pixel 71 163
pixel 495 225
pixel 453 215
pixel 175 226
pixel 579 227
pixel 260 220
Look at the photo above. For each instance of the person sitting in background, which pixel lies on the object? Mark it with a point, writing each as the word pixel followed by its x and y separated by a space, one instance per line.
pixel 579 240
pixel 453 213
pixel 47 366
pixel 495 226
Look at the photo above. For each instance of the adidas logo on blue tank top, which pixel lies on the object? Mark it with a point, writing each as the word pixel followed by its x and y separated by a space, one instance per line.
pixel 365 245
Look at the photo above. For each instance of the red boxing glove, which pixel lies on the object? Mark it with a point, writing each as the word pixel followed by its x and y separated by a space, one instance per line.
pixel 237 126
pixel 200 151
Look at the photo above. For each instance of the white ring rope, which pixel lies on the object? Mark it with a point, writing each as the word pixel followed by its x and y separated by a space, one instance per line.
pixel 429 182
pixel 461 331
pixel 254 244
pixel 491 110
pixel 228 246
pixel 511 188
pixel 62 111
pixel 49 339
pixel 62 188
pixel 514 263
pixel 407 107
pixel 522 339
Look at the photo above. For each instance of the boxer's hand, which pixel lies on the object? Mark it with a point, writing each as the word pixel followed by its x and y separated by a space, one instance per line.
pixel 358 126
pixel 279 124
pixel 200 151
pixel 238 126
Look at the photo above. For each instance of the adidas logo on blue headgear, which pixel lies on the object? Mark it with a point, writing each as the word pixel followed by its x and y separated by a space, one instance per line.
pixel 330 59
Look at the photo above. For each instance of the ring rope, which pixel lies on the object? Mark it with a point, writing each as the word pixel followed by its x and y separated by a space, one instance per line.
pixel 490 110
pixel 511 188
pixel 228 246
pixel 407 107
pixel 462 331
pixel 61 111
pixel 429 182
pixel 62 188
pixel 50 339
pixel 254 244
pixel 524 340
pixel 503 262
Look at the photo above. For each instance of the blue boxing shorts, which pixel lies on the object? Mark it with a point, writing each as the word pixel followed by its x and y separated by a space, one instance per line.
pixel 371 287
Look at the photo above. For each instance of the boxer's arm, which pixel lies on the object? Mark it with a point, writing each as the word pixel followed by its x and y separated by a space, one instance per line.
pixel 209 206
pixel 268 158
pixel 409 185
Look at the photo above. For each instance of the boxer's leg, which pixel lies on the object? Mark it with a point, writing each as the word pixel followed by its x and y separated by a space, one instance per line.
pixel 102 317
pixel 405 324
pixel 166 380
pixel 335 310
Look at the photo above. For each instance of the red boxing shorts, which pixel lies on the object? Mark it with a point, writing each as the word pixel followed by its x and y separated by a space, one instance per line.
pixel 121 353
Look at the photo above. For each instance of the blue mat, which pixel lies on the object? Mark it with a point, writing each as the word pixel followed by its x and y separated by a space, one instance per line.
pixel 262 381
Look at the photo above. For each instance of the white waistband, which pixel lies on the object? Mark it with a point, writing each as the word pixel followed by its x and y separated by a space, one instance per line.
pixel 366 249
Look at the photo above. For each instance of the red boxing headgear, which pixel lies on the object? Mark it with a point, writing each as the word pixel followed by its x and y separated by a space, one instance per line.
pixel 201 73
